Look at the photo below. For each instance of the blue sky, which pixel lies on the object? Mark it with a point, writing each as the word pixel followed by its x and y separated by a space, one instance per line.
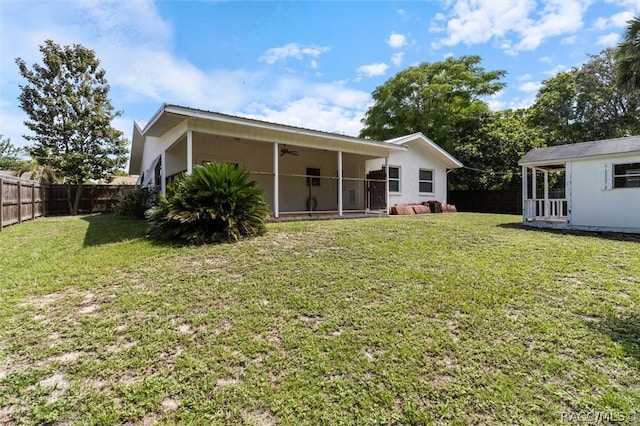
pixel 312 64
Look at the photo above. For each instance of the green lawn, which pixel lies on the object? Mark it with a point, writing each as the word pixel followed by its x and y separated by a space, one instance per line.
pixel 436 319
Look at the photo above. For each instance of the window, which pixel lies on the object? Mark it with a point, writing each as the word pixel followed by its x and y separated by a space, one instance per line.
pixel 315 181
pixel 394 179
pixel 425 180
pixel 626 175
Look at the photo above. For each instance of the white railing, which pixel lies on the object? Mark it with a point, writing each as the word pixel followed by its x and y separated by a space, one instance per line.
pixel 545 209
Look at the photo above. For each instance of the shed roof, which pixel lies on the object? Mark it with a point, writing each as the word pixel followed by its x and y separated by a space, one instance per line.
pixel 562 153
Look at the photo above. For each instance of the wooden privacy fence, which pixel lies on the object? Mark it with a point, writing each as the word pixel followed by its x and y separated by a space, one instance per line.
pixel 487 201
pixel 93 199
pixel 22 200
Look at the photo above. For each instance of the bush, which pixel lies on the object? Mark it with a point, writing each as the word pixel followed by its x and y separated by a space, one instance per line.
pixel 135 202
pixel 216 203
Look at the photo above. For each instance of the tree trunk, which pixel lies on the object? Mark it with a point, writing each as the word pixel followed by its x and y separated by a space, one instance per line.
pixel 74 201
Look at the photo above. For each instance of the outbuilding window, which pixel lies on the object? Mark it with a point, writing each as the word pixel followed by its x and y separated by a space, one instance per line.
pixel 394 179
pixel 626 175
pixel 425 181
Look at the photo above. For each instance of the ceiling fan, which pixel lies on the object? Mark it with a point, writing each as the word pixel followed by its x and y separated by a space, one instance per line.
pixel 286 150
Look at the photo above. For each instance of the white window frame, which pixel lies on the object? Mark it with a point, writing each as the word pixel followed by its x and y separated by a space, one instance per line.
pixel 635 174
pixel 398 179
pixel 432 181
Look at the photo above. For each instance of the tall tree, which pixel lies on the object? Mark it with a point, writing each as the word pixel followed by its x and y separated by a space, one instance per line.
pixel 432 98
pixel 492 149
pixel 628 58
pixel 586 104
pixel 554 111
pixel 66 100
pixel 9 155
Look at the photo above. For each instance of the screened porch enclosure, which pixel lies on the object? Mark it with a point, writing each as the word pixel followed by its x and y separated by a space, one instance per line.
pixel 544 192
pixel 296 180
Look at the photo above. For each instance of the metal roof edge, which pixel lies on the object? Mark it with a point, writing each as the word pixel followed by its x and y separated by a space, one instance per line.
pixel 208 115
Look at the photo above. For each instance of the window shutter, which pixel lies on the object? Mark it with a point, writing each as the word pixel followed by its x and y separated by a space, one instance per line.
pixel 606 177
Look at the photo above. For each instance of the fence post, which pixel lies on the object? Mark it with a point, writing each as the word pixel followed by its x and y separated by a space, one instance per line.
pixel 1 203
pixel 33 201
pixel 19 202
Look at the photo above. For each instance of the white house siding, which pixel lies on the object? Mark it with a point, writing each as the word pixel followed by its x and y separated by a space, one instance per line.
pixel 594 201
pixel 410 163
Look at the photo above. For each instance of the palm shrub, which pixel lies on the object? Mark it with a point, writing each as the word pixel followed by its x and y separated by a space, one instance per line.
pixel 215 203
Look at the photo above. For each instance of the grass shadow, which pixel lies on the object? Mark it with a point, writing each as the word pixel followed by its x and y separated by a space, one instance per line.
pixel 617 236
pixel 109 228
pixel 624 330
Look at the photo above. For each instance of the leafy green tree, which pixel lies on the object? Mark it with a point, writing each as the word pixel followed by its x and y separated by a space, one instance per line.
pixel 66 101
pixel 9 155
pixel 215 203
pixel 628 58
pixel 586 104
pixel 554 111
pixel 432 98
pixel 491 152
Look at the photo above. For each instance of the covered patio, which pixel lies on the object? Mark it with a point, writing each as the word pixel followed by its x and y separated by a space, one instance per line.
pixel 302 172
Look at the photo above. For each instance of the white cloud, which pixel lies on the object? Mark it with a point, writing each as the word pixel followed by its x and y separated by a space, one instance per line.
pixel 373 70
pixel 478 21
pixel 608 40
pixel 621 20
pixel 291 50
pixel 396 58
pixel 545 59
pixel 312 113
pixel 530 86
pixel 601 23
pixel 495 103
pixel 524 77
pixel 559 17
pixel 520 103
pixel 397 41
pixel 555 70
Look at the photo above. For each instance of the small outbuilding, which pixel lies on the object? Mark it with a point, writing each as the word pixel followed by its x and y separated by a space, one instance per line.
pixel 592 186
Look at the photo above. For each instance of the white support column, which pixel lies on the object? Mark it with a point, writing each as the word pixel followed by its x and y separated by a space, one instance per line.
pixel 386 184
pixel 525 192
pixel 534 191
pixel 276 195
pixel 163 173
pixel 339 183
pixel 189 151
pixel 547 206
pixel 567 190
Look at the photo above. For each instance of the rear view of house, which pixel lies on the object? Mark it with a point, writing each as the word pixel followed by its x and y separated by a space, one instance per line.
pixel 301 171
pixel 585 186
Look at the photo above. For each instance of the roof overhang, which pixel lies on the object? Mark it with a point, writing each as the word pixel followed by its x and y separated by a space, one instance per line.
pixel 449 161
pixel 583 151
pixel 169 116
pixel 137 148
